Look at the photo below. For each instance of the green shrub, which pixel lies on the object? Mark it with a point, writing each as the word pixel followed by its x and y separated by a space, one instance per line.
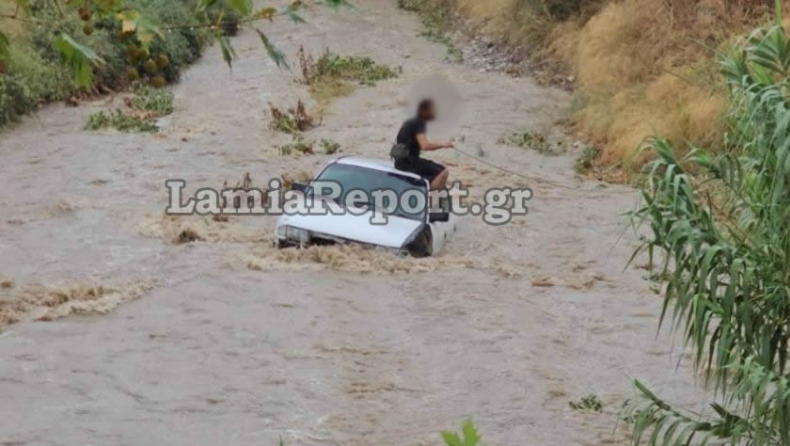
pixel 586 159
pixel 35 73
pixel 153 100
pixel 42 81
pixel 15 99
pixel 299 145
pixel 330 147
pixel 144 108
pixel 469 436
pixel 718 226
pixel 589 403
pixel 530 139
pixel 121 121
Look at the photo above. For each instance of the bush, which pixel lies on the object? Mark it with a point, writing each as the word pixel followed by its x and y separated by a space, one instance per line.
pixel 719 225
pixel 35 73
pixel 121 121
pixel 586 159
pixel 333 75
pixel 14 99
pixel 153 100
pixel 42 81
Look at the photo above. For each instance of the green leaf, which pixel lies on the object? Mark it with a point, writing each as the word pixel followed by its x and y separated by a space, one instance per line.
pixel 471 437
pixel 243 7
pixel 452 439
pixel 78 57
pixel 228 53
pixel 274 53
pixel 145 27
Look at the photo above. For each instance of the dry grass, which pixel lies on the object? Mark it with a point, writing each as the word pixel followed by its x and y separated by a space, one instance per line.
pixel 640 66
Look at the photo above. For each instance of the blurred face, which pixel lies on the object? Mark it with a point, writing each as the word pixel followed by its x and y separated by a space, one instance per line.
pixel 429 113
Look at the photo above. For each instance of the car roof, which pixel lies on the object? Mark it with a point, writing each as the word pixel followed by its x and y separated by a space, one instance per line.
pixel 375 164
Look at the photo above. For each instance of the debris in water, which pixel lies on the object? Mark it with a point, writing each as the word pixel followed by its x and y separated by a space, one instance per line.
pixel 190 228
pixel 350 258
pixel 188 235
pixel 293 121
pixel 46 304
pixel 543 282
pixel 298 177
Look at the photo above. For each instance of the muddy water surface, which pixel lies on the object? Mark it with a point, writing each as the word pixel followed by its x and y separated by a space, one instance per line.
pixel 227 341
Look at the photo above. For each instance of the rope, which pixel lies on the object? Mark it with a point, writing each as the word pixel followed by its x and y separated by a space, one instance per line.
pixel 561 186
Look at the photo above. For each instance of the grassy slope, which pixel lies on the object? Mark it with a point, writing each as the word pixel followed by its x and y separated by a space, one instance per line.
pixel 641 66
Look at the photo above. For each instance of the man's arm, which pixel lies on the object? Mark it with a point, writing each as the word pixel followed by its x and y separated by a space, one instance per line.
pixel 426 146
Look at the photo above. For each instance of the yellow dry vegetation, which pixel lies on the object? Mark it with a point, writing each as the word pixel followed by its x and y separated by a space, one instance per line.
pixel 640 67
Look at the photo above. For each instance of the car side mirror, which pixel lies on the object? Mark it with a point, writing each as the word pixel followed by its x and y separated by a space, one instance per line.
pixel 300 187
pixel 441 217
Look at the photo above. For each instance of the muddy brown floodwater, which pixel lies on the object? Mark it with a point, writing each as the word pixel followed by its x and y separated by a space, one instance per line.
pixel 227 341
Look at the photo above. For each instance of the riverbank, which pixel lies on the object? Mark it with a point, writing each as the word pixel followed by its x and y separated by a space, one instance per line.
pixel 638 68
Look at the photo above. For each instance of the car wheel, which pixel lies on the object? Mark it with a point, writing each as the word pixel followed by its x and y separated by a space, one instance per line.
pixel 422 246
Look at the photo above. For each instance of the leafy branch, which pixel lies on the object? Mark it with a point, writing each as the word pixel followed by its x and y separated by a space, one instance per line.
pixel 722 225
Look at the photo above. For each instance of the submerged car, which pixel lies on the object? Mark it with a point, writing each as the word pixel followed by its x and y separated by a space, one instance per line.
pixel 414 230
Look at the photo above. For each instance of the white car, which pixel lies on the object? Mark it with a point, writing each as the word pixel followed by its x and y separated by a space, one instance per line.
pixel 409 230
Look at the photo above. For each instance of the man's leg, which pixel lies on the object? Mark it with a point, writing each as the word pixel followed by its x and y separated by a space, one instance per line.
pixel 440 180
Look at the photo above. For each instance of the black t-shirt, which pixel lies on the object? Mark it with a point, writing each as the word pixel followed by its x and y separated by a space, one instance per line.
pixel 408 136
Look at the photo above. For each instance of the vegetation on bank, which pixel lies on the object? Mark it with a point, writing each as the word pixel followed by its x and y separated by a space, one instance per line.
pixel 639 67
pixel 718 223
pixel 332 75
pixel 437 21
pixel 140 114
pixel 52 50
pixel 35 71
pixel 715 202
pixel 531 139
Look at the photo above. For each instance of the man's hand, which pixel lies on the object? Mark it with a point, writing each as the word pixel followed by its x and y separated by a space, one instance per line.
pixel 426 146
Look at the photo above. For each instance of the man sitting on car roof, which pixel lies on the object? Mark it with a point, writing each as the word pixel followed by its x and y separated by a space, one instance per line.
pixel 412 136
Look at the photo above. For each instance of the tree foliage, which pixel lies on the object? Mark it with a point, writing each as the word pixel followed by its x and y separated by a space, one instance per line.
pixel 143 30
pixel 722 225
